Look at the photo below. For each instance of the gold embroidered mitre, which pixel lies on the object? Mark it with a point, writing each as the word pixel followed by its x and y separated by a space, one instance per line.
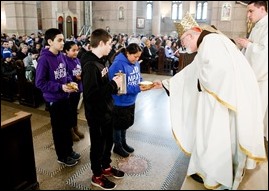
pixel 185 24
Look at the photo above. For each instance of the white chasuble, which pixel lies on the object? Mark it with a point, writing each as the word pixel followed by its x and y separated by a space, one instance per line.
pixel 221 125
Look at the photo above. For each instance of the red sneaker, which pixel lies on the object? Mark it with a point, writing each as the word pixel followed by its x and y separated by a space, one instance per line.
pixel 113 172
pixel 103 182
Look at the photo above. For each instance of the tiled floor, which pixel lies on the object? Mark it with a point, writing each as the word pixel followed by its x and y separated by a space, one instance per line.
pixel 156 164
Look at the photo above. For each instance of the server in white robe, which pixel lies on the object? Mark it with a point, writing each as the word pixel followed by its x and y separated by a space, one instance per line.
pixel 255 48
pixel 215 111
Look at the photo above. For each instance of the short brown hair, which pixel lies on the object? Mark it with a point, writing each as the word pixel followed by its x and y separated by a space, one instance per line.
pixel 259 4
pixel 99 35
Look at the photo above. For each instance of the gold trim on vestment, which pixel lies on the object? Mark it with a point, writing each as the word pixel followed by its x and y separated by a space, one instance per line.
pixel 212 187
pixel 220 100
pixel 180 146
pixel 250 155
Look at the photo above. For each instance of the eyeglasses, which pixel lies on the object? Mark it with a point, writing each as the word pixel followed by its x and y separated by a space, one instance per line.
pixel 182 39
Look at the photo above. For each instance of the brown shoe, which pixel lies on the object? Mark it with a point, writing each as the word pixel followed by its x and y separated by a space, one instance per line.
pixel 78 133
pixel 75 137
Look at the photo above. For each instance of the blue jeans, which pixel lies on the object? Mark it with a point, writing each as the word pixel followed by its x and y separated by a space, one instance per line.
pixel 119 136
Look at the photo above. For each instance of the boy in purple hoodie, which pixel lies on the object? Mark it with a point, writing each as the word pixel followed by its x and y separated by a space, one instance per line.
pixel 52 79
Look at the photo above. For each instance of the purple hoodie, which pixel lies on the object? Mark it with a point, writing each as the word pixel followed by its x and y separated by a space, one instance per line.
pixel 74 69
pixel 51 74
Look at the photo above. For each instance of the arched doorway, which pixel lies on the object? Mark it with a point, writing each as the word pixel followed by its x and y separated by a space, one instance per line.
pixel 75 20
pixel 60 23
pixel 68 27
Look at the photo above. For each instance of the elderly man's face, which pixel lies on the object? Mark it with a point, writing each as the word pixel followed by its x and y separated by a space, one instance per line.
pixel 187 41
pixel 184 38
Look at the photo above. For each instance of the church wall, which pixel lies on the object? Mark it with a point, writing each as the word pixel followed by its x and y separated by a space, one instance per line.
pixel 106 13
pixel 21 17
pixel 236 25
pixel 19 20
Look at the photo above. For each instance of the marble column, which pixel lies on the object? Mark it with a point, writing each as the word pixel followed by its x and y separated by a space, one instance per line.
pixel 156 18
pixel 20 18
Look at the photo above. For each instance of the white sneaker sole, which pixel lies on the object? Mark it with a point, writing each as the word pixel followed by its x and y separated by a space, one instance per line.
pixel 97 185
pixel 69 165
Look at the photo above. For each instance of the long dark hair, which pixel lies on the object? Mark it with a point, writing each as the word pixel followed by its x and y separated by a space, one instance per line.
pixel 68 45
pixel 132 48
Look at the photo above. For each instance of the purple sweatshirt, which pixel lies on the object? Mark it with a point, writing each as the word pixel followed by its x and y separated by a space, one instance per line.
pixel 51 74
pixel 74 69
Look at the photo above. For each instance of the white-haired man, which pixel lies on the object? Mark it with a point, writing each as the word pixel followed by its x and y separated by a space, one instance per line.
pixel 216 111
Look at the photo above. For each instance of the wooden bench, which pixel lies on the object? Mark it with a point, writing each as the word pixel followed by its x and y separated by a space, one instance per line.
pixel 7 93
pixel 145 66
pixel 18 160
pixel 164 63
pixel 29 94
pixel 185 59
pixel 9 85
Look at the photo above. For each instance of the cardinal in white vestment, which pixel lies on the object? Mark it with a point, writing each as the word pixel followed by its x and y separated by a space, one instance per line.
pixel 216 110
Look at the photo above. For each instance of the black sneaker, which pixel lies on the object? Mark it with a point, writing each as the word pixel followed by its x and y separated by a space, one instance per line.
pixel 197 178
pixel 120 151
pixel 113 172
pixel 75 156
pixel 128 148
pixel 68 161
pixel 103 182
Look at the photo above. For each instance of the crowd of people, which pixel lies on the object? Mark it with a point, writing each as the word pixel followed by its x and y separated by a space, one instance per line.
pixel 21 46
pixel 223 93
pixel 28 48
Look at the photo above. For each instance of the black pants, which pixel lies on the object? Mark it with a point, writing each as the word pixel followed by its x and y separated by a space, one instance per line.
pixel 175 65
pixel 123 119
pixel 123 116
pixel 61 127
pixel 74 99
pixel 101 136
